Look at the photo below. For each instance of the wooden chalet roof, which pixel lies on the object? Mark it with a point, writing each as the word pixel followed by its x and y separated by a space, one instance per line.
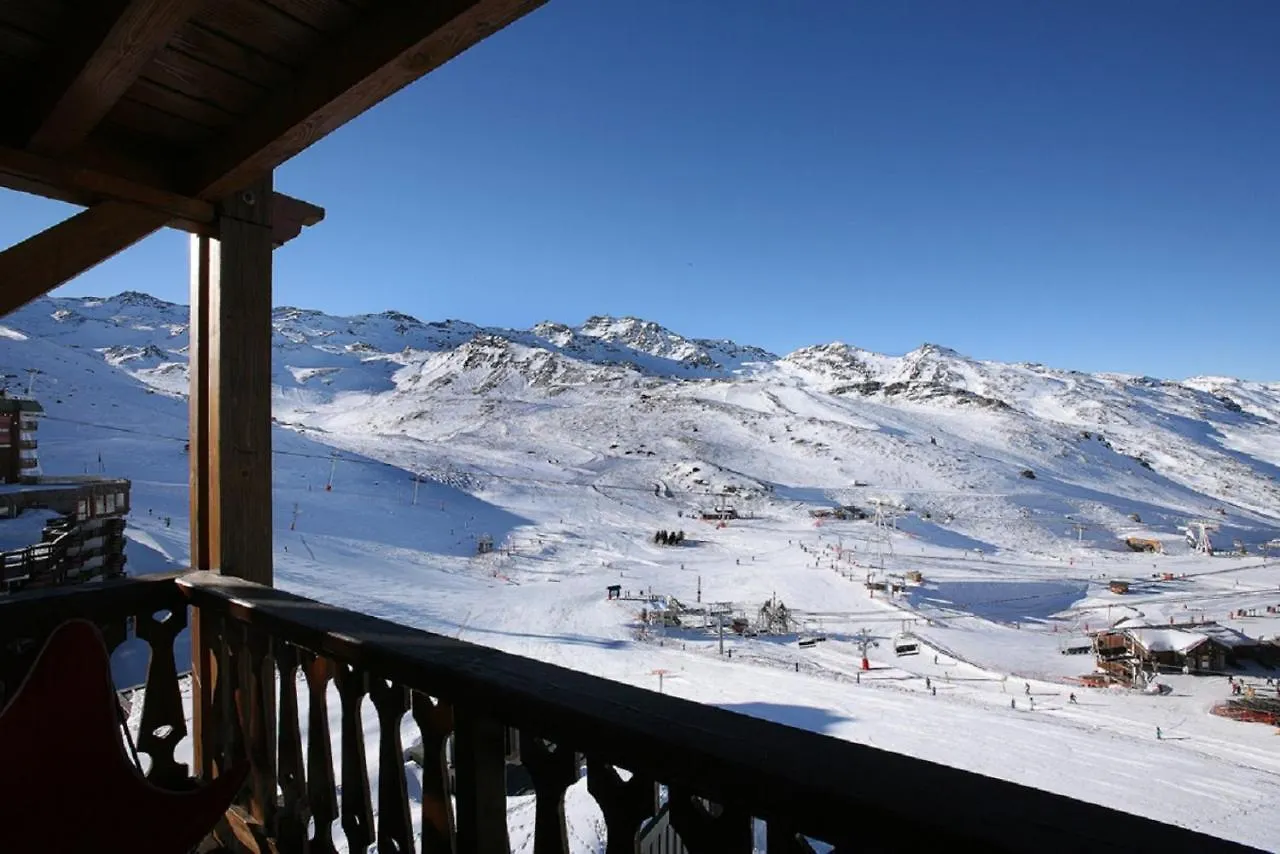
pixel 168 106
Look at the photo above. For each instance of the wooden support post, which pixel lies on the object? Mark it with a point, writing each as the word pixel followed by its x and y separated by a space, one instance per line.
pixel 202 489
pixel 229 356
pixel 240 380
pixel 230 374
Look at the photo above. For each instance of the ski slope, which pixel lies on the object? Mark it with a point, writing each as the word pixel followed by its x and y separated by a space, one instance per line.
pixel 572 446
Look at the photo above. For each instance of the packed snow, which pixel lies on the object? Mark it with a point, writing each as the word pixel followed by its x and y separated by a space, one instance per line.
pixel 1009 488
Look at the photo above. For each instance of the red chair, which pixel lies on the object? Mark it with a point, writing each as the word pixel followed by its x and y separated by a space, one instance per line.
pixel 66 783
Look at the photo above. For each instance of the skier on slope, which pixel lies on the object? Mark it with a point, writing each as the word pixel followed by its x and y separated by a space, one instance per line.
pixel 1071 698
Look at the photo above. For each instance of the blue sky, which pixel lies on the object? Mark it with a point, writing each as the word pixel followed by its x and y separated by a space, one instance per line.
pixel 1088 184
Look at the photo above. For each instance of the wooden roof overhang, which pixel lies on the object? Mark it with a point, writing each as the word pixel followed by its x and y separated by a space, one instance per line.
pixel 151 113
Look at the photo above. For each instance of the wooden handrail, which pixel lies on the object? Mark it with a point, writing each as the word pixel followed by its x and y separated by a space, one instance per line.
pixel 107 600
pixel 797 781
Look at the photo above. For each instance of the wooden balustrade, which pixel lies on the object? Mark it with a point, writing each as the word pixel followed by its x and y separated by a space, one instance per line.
pixel 731 783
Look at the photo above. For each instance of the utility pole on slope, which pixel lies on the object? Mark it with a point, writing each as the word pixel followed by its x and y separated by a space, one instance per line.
pixel 1079 526
pixel 333 467
pixel 719 610
pixel 417 478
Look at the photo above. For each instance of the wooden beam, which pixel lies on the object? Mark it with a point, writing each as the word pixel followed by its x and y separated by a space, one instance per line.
pixel 69 182
pixel 94 69
pixel 58 254
pixel 399 42
pixel 289 216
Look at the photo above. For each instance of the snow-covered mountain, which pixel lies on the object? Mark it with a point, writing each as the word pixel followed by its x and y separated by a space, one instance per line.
pixel 1001 454
pixel 570 446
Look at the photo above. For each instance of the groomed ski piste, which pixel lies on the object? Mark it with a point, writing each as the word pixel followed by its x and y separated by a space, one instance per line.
pixel 1008 580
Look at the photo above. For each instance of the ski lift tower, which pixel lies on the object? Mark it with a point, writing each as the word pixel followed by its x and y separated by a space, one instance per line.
pixel 865 641
pixel 881 522
pixel 1198 531
pixel 720 610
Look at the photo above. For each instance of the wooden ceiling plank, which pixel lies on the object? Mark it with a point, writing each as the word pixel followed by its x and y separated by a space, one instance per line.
pixel 178 132
pixel 58 254
pixel 97 80
pixel 262 28
pixel 19 45
pixel 326 16
pixel 196 78
pixel 180 103
pixel 39 19
pixel 222 53
pixel 397 44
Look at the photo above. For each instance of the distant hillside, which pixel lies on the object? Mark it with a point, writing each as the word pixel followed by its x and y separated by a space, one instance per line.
pixel 995 454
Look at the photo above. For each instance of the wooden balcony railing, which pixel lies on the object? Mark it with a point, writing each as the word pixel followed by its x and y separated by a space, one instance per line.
pixel 733 783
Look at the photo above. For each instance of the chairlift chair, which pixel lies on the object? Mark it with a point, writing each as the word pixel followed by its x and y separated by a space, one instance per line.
pixel 906 643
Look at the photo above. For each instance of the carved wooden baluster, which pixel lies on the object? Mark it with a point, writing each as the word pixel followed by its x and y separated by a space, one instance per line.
pixel 229 741
pixel 206 673
pixel 255 706
pixel 357 807
pixel 553 771
pixel 480 775
pixel 626 805
pixel 435 723
pixel 395 826
pixel 704 833
pixel 163 722
pixel 291 821
pixel 322 795
pixel 781 838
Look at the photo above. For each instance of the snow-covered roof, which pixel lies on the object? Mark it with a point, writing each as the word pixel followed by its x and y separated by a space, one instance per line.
pixel 1167 640
pixel 1182 640
pixel 1131 623
pixel 1227 636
